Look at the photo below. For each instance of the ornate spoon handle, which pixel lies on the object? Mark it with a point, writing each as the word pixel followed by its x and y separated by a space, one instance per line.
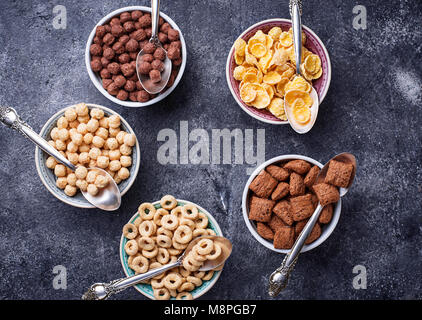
pixel 279 278
pixel 295 7
pixel 10 118
pixel 155 15
pixel 101 291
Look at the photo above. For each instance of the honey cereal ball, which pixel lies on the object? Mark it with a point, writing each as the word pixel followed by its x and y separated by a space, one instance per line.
pixel 92 189
pixel 51 162
pixel 98 142
pixel 52 143
pixel 114 154
pixel 60 170
pixel 84 158
pixel 70 190
pixel 122 95
pixel 95 49
pixel 113 131
pixel 125 150
pixel 84 148
pixel 173 34
pixel 114 121
pixel 120 81
pixel 54 134
pixel 129 139
pixel 70 114
pixel 63 134
pixel 145 20
pixel 91 176
pixel 94 153
pixel 105 153
pixel 159 53
pixel 112 143
pixel 73 157
pixel 61 182
pixel 60 145
pixel 81 109
pixel 120 137
pixel 72 146
pixel 97 113
pixel 144 67
pixel 128 69
pixel 71 179
pixel 173 53
pixel 114 165
pixel 82 184
pixel 83 119
pixel 81 172
pixel 82 128
pixel 155 76
pixel 142 96
pixel 101 181
pixel 158 65
pixel 123 173
pixel 103 162
pixel 125 161
pixel 104 122
pixel 108 39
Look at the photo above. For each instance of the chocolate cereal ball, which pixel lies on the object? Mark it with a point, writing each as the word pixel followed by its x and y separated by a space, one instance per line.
pixel 117 30
pixel 124 58
pixel 113 89
pixel 100 31
pixel 128 69
pixel 96 65
pixel 138 35
pixel 120 81
pixel 104 62
pixel 159 54
pixel 177 62
pixel 148 32
pixel 144 67
pixel 162 37
pixel 143 96
pixel 119 47
pixel 130 86
pixel 109 53
pixel 173 53
pixel 106 83
pixel 125 16
pixel 173 34
pixel 149 48
pixel 145 20
pixel 133 96
pixel 105 74
pixel 132 45
pixel 96 49
pixel 147 58
pixel 98 40
pixel 165 27
pixel 157 65
pixel 155 76
pixel 122 95
pixel 142 44
pixel 129 26
pixel 114 21
pixel 108 39
pixel 176 44
pixel 139 85
pixel 124 39
pixel 136 14
pixel 114 68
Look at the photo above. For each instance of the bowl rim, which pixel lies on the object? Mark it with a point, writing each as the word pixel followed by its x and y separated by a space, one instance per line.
pixel 219 232
pixel 97 82
pixel 38 160
pixel 329 228
pixel 228 74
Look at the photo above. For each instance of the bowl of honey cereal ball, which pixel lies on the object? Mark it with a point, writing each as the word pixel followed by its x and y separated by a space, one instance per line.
pixel 112 49
pixel 89 136
pixel 157 235
pixel 261 69
pixel 280 197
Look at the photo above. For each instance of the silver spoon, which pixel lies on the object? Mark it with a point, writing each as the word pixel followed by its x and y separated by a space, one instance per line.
pixel 147 84
pixel 101 291
pixel 295 13
pixel 108 198
pixel 279 278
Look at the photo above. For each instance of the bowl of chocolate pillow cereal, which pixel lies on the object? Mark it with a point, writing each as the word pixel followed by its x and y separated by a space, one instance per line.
pixel 112 49
pixel 278 200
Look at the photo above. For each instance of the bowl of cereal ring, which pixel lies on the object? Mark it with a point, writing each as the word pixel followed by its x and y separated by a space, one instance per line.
pixel 154 237
pixel 112 49
pixel 260 68
pixel 88 135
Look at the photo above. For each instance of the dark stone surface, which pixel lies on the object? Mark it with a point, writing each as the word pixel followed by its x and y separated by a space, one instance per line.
pixel 372 110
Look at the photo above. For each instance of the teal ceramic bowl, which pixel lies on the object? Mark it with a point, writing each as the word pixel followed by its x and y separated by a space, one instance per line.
pixel 49 179
pixel 146 289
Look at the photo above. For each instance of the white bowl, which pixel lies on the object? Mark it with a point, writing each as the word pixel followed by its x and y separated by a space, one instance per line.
pixel 146 289
pixel 47 175
pixel 96 79
pixel 326 229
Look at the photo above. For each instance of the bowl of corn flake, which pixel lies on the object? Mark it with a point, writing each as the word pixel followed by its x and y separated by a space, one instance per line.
pixel 260 68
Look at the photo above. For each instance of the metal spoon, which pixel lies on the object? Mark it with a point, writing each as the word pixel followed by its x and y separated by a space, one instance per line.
pixel 147 84
pixel 108 198
pixel 295 13
pixel 279 278
pixel 101 291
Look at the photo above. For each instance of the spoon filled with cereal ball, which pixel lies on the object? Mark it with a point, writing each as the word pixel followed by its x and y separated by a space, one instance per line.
pixel 153 65
pixel 70 153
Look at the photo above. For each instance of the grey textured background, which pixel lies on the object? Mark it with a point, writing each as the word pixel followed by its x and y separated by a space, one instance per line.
pixel 372 110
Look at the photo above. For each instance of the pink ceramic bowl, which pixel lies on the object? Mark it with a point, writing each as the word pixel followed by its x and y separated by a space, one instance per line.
pixel 313 43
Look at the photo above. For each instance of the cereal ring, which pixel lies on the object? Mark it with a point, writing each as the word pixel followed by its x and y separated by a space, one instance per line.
pixel 187 286
pixel 190 211
pixel 170 222
pixel 163 256
pixel 174 252
pixel 183 272
pixel 172 281
pixel 188 222
pixel 178 246
pixel 158 215
pixel 155 265
pixel 183 234
pixel 157 283
pixel 140 264
pixel 146 243
pixel 165 232
pixel 173 293
pixel 184 296
pixel 193 260
pixel 188 265
pixel 196 281
pixel 204 246
pixel 197 256
pixel 150 253
pixel 146 228
pixel 208 275
pixel 130 231
pixel 164 241
pixel 131 247
pixel 130 259
pixel 199 274
pixel 168 202
pixel 211 232
pixel 215 253
pixel 177 212
pixel 146 211
pixel 161 294
pixel 199 233
pixel 202 221
pixel 173 259
pixel 137 222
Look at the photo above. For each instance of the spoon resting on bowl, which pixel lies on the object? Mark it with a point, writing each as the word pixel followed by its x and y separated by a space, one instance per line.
pixel 279 278
pixel 301 118
pixel 101 291
pixel 107 198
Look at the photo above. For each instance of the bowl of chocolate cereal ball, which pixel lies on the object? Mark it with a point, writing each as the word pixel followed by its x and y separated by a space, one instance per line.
pixel 112 49
pixel 278 200
pixel 89 136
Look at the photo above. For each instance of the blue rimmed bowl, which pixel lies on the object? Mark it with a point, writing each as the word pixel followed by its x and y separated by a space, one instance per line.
pixel 146 289
pixel 49 179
